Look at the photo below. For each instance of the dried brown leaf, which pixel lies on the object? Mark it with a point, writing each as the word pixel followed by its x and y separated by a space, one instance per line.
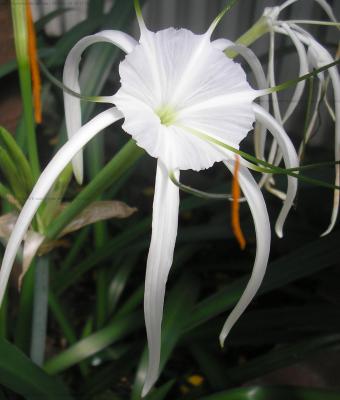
pixel 98 211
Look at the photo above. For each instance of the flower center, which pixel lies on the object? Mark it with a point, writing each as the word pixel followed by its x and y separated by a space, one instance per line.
pixel 167 115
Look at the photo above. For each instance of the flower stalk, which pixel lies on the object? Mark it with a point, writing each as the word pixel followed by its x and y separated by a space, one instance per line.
pixel 20 30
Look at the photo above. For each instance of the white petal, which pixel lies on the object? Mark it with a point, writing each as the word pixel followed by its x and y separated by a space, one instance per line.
pixel 258 209
pixel 290 159
pixel 313 118
pixel 164 231
pixel 319 57
pixel 70 79
pixel 322 3
pixel 256 67
pixel 214 97
pixel 44 184
pixel 303 70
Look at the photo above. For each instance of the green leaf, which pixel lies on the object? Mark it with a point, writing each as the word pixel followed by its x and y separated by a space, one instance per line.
pixel 18 158
pixel 281 357
pixel 19 374
pixel 105 377
pixel 161 392
pixel 21 48
pixel 309 259
pixel 119 281
pixel 66 42
pixel 66 279
pixel 89 346
pixel 275 393
pixel 40 24
pixel 10 172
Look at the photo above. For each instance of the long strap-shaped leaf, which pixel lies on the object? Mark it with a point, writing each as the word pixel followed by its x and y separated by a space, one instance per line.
pixel 275 392
pixel 19 374
pixel 45 182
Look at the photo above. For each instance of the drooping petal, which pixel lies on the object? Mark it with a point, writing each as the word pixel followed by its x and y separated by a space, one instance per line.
pixel 290 159
pixel 319 56
pixel 71 80
pixel 322 3
pixel 303 70
pixel 256 67
pixel 214 97
pixel 258 209
pixel 44 184
pixel 313 117
pixel 164 231
pixel 275 155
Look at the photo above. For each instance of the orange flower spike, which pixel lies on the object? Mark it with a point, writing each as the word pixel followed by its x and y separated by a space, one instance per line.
pixel 235 208
pixel 33 58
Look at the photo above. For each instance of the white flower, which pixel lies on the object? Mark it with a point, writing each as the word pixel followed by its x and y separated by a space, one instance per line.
pixel 182 100
pixel 311 55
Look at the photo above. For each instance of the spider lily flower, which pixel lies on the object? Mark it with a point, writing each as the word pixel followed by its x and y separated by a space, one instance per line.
pixel 311 55
pixel 188 105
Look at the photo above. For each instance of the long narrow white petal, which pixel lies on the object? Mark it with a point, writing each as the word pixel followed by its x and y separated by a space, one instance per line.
pixel 286 4
pixel 313 118
pixel 275 155
pixel 164 231
pixel 44 184
pixel 319 56
pixel 289 156
pixel 303 70
pixel 70 79
pixel 258 209
pixel 256 67
pixel 322 3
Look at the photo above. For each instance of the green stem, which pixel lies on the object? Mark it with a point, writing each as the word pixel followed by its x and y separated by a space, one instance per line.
pixel 270 168
pixel 21 48
pixel 259 29
pixel 293 82
pixel 40 310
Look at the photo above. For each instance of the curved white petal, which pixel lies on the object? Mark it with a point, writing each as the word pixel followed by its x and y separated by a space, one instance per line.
pixel 164 232
pixel 70 79
pixel 313 118
pixel 325 58
pixel 44 184
pixel 303 70
pixel 289 156
pixel 256 67
pixel 215 97
pixel 319 57
pixel 322 3
pixel 286 4
pixel 258 209
pixel 271 76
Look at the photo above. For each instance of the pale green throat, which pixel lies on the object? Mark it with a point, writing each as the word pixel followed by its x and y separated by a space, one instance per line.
pixel 167 115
